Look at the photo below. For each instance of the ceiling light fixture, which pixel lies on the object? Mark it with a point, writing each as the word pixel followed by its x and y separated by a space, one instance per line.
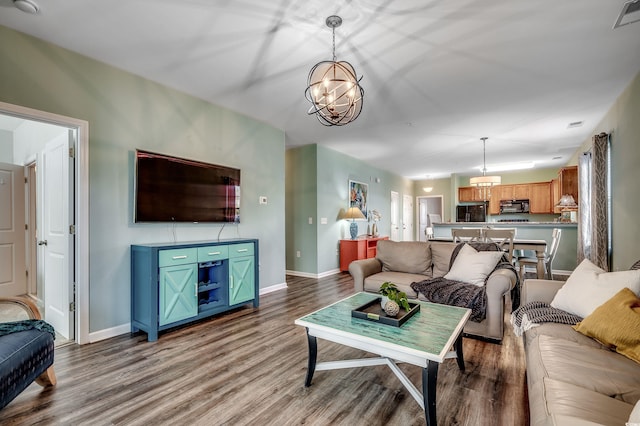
pixel 27 6
pixel 333 88
pixel 484 182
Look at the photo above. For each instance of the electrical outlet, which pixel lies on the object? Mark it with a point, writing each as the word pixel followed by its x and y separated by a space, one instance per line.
pixel 323 221
pixel 262 199
pixel 310 221
pixel 298 253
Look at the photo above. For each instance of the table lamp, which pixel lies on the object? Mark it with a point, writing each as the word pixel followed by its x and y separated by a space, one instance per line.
pixel 353 213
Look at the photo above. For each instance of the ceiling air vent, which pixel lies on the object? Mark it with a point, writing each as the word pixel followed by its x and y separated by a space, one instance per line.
pixel 630 13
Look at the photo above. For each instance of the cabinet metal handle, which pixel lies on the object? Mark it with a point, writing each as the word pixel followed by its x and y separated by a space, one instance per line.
pixel 242 250
pixel 42 243
pixel 213 253
pixel 179 257
pixel 231 279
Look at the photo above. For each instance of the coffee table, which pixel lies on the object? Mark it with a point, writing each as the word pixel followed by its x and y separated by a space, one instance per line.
pixel 425 340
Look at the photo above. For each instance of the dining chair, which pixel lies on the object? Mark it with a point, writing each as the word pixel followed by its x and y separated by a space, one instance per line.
pixel 549 255
pixel 466 235
pixel 502 237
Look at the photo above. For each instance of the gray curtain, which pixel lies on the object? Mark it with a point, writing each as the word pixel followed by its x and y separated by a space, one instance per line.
pixel 593 195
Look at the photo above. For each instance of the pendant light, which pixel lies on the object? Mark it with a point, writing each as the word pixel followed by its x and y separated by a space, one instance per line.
pixel 484 182
pixel 333 88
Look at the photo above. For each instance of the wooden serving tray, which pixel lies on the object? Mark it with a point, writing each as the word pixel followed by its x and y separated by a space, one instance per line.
pixel 372 311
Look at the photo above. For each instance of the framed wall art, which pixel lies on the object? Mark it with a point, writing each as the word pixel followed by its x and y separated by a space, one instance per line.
pixel 358 194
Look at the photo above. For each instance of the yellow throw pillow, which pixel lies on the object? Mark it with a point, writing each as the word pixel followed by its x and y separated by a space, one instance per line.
pixel 616 323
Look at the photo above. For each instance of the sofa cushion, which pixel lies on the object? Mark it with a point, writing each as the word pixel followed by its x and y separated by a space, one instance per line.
pixel 560 331
pixel 441 257
pixel 589 286
pixel 401 279
pixel 472 266
pixel 601 371
pixel 555 402
pixel 413 257
pixel 616 324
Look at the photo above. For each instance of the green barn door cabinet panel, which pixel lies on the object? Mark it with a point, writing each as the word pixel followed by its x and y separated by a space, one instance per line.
pixel 178 285
pixel 175 284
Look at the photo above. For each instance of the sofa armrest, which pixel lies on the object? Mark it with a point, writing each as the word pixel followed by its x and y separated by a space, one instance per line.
pixel 500 282
pixel 361 269
pixel 534 290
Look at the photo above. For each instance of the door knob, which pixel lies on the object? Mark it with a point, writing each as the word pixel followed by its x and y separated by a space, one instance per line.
pixel 42 243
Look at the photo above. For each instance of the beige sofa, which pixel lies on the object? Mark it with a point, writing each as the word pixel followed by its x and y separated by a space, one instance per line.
pixel 403 263
pixel 572 379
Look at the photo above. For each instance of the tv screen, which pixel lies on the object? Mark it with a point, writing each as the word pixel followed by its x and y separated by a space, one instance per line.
pixel 171 189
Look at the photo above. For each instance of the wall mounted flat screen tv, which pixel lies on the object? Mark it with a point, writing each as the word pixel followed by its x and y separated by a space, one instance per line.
pixel 172 189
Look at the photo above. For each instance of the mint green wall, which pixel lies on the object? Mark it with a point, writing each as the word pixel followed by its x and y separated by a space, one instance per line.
pixel 126 112
pixel 333 171
pixel 440 187
pixel 624 126
pixel 520 176
pixel 301 204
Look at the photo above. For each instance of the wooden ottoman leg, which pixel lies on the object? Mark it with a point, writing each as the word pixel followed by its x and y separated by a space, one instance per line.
pixel 48 378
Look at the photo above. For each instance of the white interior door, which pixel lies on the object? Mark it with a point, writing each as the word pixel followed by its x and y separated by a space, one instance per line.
pixel 407 218
pixel 13 280
pixel 395 207
pixel 55 240
pixel 422 219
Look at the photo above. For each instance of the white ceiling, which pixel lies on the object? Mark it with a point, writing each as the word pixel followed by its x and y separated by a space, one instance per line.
pixel 438 75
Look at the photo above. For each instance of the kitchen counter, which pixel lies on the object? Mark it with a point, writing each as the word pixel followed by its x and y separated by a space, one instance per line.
pixel 566 257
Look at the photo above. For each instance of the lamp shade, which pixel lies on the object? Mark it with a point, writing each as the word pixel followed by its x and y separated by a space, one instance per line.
pixel 567 201
pixel 353 213
pixel 485 180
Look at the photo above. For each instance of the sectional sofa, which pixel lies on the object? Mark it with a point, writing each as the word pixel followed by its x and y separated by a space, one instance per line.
pixel 573 379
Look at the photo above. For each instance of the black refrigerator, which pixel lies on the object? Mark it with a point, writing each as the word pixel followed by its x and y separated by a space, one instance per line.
pixel 471 213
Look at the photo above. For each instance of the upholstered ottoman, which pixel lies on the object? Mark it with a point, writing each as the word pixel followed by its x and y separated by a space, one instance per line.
pixel 24 357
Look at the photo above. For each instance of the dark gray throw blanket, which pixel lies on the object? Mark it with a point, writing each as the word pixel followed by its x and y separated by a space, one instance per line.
pixel 456 293
pixel 16 326
pixel 532 314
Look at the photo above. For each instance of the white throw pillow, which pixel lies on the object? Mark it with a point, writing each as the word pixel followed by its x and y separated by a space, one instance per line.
pixel 589 286
pixel 472 266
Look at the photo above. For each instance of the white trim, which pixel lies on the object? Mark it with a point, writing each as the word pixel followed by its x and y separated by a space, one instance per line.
pixel 82 206
pixel 272 288
pixel 310 275
pixel 108 333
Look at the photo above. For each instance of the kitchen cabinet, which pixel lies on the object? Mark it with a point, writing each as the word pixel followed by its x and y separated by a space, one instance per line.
pixel 567 184
pixel 520 191
pixel 467 194
pixel 540 200
pixel 175 284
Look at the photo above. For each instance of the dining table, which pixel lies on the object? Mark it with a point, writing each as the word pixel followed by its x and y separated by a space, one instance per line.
pixel 538 246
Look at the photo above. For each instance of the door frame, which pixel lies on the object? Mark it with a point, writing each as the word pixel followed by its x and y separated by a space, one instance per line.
pixel 81 189
pixel 425 197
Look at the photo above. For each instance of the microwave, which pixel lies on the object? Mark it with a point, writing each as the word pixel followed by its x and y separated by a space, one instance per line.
pixel 514 206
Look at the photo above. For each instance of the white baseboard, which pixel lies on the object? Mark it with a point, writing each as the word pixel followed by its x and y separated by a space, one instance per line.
pixel 310 275
pixel 107 333
pixel 272 288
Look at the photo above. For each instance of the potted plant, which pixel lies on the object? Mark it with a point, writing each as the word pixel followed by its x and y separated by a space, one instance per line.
pixel 390 291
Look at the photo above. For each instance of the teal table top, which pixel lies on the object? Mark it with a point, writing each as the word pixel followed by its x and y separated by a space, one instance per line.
pixel 431 331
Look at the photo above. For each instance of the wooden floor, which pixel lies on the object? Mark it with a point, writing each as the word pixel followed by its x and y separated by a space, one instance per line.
pixel 247 367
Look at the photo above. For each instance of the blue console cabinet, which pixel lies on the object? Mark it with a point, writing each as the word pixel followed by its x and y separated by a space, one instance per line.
pixel 175 284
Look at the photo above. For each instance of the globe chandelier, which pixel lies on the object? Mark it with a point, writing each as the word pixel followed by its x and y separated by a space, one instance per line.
pixel 333 88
